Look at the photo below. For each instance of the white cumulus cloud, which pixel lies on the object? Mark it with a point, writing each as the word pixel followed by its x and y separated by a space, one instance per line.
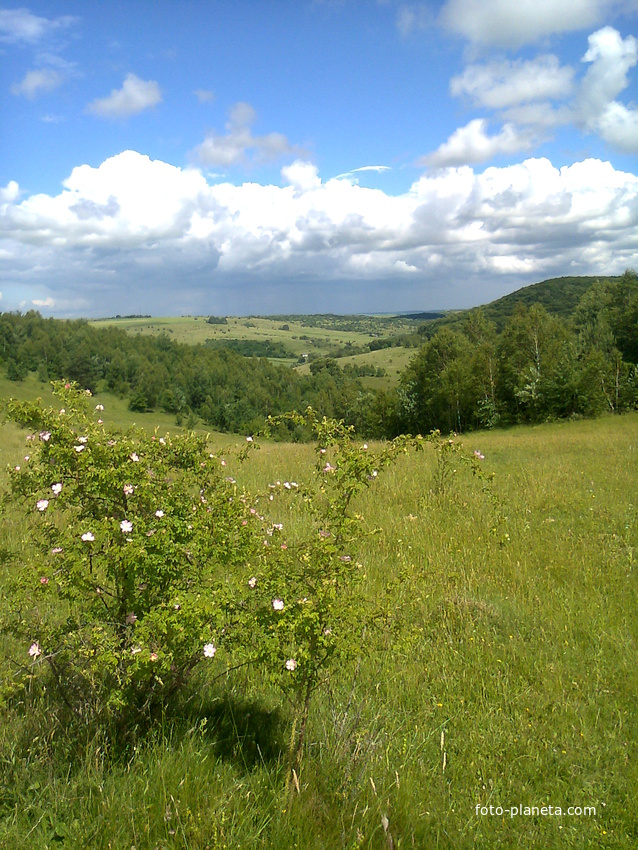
pixel 514 23
pixel 533 97
pixel 504 83
pixel 540 116
pixel 597 110
pixel 302 175
pixel 37 82
pixel 238 144
pixel 135 96
pixel 20 26
pixel 471 144
pixel 10 192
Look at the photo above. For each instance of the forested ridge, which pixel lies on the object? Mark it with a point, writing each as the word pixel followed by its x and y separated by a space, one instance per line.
pixel 529 366
pixel 539 366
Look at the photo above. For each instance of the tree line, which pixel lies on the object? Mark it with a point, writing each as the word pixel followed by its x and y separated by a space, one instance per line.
pixel 217 386
pixel 539 366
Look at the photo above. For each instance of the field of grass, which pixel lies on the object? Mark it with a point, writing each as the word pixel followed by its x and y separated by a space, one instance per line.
pixel 116 412
pixel 503 674
pixel 298 335
pixel 392 360
pixel 195 329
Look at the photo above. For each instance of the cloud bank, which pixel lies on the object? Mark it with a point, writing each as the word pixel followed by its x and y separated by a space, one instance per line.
pixel 136 228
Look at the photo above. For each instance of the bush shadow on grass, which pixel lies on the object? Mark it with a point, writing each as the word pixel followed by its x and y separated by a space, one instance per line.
pixel 246 732
pixel 242 731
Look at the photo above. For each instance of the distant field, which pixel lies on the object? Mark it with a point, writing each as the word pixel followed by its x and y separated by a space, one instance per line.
pixel 392 360
pixel 312 336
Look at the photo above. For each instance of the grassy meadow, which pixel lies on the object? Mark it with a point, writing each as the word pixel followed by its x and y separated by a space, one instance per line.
pixel 116 414
pixel 393 361
pixel 298 336
pixel 502 673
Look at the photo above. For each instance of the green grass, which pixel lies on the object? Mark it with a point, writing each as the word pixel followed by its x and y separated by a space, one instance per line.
pixel 503 673
pixel 116 414
pixel 393 360
pixel 299 338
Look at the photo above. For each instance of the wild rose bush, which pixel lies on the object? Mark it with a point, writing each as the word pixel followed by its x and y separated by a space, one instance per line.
pixel 144 560
pixel 137 548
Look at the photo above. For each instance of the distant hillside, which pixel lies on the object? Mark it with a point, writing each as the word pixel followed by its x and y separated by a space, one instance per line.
pixel 558 295
pixel 427 316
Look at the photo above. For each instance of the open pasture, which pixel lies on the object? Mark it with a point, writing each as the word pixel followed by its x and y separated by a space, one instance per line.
pixel 501 672
pixel 393 361
pixel 310 335
pixel 116 413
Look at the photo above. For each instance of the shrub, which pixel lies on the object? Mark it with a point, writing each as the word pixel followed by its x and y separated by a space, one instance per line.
pixel 131 579
pixel 146 560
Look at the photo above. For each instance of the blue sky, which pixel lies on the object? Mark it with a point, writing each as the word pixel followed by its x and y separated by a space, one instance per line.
pixel 297 156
